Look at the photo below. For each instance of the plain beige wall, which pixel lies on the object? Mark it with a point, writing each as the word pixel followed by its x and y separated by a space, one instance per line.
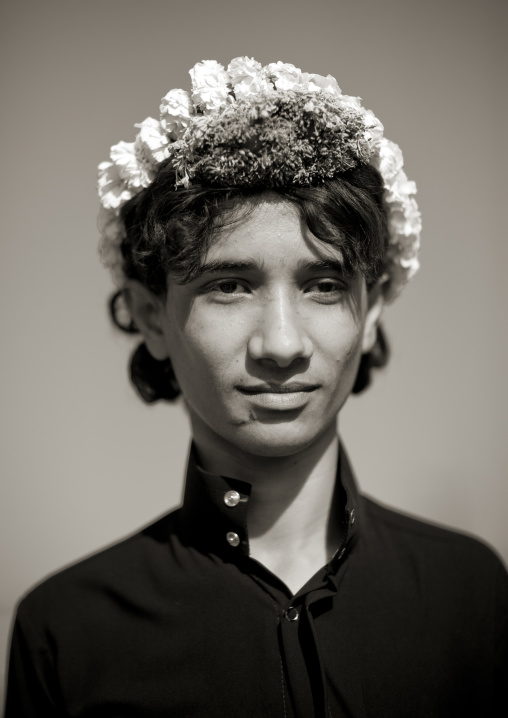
pixel 83 461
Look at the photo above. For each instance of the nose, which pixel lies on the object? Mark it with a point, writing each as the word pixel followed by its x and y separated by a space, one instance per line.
pixel 280 335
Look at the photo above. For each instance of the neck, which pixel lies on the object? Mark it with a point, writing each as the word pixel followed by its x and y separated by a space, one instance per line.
pixel 289 508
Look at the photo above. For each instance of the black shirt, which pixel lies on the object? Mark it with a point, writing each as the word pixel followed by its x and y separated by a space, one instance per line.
pixel 407 620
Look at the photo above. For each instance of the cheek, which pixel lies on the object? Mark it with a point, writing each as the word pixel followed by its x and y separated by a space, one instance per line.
pixel 347 364
pixel 202 354
pixel 341 342
pixel 342 361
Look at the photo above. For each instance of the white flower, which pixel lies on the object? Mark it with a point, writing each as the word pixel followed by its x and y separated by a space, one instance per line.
pixel 411 266
pixel 399 188
pixel 388 160
pixel 404 218
pixel 151 145
pixel 318 82
pixel 210 89
pixel 374 127
pixel 247 77
pixel 286 76
pixel 131 170
pixel 112 188
pixel 352 103
pixel 176 110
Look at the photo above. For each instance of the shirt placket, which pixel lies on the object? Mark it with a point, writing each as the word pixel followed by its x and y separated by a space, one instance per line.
pixel 302 663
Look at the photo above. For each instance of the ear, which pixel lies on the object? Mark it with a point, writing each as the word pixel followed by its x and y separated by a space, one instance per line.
pixel 148 311
pixel 376 303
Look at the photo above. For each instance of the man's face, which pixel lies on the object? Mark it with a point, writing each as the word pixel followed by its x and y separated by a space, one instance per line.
pixel 266 342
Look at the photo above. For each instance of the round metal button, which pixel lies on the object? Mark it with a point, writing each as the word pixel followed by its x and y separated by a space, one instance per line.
pixel 232 538
pixel 352 516
pixel 231 498
pixel 291 614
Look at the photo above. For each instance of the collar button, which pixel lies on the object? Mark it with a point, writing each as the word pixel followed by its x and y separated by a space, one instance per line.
pixel 231 498
pixel 232 538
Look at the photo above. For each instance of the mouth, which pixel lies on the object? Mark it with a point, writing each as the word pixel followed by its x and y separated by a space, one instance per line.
pixel 289 388
pixel 279 397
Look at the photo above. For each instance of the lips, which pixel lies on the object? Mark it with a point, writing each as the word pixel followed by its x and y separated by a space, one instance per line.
pixel 288 388
pixel 291 396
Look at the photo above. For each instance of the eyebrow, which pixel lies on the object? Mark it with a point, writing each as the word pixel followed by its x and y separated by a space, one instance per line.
pixel 225 266
pixel 326 264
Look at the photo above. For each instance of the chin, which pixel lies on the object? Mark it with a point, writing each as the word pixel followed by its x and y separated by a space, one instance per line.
pixel 276 439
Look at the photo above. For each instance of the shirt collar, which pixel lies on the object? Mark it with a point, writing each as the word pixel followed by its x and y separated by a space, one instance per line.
pixel 214 514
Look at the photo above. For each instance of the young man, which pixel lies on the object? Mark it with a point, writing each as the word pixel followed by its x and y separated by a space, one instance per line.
pixel 255 254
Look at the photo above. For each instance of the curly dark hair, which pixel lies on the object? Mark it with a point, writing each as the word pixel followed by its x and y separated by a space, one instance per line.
pixel 168 230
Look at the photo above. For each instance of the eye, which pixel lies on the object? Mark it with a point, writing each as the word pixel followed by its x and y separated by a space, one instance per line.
pixel 325 286
pixel 229 287
pixel 226 290
pixel 326 289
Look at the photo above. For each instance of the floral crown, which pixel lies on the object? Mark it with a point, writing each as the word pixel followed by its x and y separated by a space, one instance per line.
pixel 255 126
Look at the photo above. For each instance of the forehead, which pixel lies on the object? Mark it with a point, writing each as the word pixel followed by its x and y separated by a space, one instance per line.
pixel 268 230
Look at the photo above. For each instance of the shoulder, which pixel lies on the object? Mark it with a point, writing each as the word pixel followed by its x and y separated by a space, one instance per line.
pixel 435 551
pixel 423 532
pixel 108 572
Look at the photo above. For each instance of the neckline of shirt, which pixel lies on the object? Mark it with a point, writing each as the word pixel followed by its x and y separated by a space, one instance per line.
pixel 214 514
